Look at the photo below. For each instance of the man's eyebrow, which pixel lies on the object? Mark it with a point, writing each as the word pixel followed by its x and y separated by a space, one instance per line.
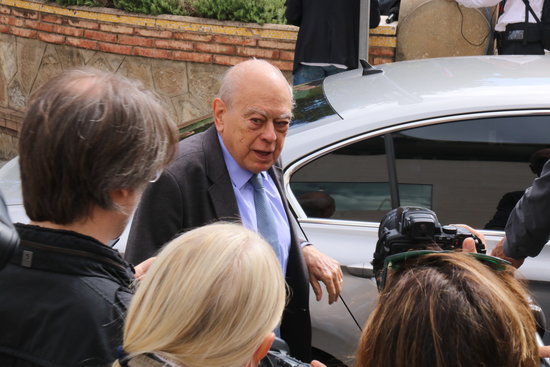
pixel 253 110
pixel 286 116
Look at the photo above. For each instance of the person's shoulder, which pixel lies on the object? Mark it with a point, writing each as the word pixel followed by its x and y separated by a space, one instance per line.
pixel 192 144
pixel 512 196
pixel 191 152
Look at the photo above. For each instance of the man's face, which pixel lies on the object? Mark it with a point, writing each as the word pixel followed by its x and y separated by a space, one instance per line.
pixel 254 126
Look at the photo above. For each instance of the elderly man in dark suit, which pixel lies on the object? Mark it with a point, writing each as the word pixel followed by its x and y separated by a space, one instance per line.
pixel 215 177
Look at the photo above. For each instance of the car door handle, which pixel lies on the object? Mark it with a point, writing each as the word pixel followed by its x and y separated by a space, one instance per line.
pixel 361 270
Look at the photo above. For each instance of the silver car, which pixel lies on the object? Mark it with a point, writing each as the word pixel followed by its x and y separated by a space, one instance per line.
pixel 454 135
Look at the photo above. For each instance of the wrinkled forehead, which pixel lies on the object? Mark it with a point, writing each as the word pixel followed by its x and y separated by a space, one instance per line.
pixel 263 93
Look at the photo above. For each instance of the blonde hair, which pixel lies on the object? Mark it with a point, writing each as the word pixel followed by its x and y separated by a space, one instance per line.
pixel 209 299
pixel 449 309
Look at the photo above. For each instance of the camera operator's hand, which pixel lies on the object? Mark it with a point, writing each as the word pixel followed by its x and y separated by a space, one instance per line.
pixel 498 251
pixel 469 245
pixel 317 364
pixel 325 269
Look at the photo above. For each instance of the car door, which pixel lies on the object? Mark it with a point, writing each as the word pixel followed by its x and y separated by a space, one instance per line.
pixel 461 167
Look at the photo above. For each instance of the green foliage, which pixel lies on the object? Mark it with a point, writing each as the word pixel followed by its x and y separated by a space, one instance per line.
pixel 153 7
pixel 253 11
pixel 78 2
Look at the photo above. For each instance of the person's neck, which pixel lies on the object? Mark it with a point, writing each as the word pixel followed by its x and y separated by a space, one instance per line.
pixel 103 225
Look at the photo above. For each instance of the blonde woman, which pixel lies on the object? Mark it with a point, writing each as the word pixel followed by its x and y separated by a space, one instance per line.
pixel 212 298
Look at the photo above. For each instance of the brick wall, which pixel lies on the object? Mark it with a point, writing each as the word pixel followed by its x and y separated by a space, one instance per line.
pixel 164 37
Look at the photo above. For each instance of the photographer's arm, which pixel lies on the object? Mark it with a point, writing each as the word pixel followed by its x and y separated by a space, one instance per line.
pixel 528 226
pixel 498 251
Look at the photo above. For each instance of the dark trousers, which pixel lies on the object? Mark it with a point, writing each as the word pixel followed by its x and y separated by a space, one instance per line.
pixel 308 73
pixel 519 48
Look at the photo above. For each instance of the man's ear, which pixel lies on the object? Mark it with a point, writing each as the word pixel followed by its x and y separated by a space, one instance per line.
pixel 122 196
pixel 263 348
pixel 219 108
pixel 126 198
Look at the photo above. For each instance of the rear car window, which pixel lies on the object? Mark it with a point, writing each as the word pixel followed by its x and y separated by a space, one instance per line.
pixel 311 104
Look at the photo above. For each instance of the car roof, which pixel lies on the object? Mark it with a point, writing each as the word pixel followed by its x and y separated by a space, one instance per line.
pixel 420 89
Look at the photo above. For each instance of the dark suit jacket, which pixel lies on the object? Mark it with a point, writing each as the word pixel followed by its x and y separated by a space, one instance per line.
pixel 329 30
pixel 196 190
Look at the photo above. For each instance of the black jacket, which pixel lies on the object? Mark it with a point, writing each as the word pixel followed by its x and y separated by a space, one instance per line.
pixel 329 30
pixel 64 298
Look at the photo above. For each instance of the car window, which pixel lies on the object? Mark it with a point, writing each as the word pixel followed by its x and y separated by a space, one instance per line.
pixel 463 170
pixel 355 177
pixel 472 165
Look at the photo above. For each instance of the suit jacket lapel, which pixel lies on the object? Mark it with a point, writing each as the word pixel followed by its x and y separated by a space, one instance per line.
pixel 221 189
pixel 276 173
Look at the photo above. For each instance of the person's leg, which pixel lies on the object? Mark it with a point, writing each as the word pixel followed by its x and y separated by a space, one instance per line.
pixel 307 73
pixel 331 70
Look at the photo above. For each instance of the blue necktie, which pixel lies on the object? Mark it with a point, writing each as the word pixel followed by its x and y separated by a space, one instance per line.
pixel 264 215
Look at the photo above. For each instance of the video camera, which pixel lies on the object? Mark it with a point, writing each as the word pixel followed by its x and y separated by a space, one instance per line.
pixel 414 228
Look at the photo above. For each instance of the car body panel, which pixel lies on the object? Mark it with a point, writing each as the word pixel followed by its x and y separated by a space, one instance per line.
pixel 406 92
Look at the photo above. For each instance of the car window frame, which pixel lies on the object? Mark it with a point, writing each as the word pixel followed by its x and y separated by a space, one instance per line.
pixel 293 167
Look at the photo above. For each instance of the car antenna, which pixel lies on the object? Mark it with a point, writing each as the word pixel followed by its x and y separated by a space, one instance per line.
pixel 368 69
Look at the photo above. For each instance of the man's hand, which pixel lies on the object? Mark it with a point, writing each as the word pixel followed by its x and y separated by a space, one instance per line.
pixel 544 352
pixel 325 269
pixel 469 244
pixel 143 267
pixel 315 363
pixel 498 251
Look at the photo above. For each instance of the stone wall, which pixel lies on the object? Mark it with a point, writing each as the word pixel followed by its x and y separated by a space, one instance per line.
pixel 180 58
